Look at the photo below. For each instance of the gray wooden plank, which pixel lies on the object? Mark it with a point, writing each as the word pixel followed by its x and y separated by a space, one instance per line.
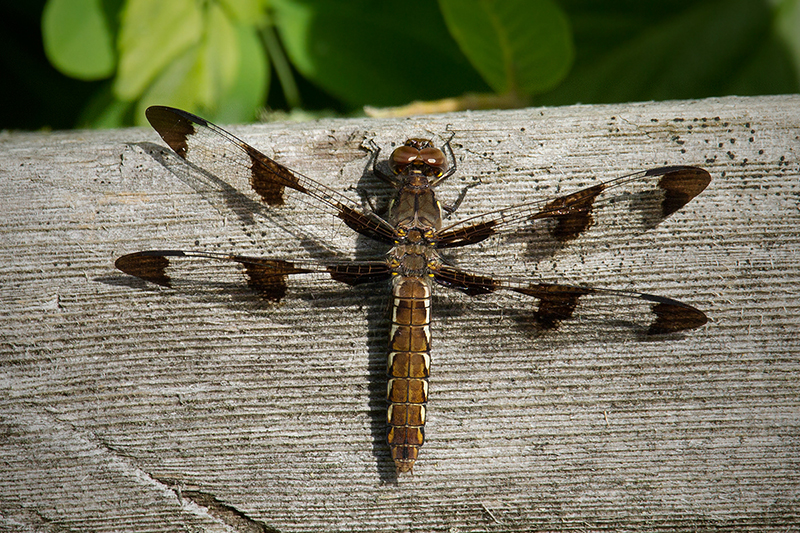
pixel 131 407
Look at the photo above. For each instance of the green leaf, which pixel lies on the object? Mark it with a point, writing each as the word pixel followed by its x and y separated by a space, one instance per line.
pixel 77 38
pixel 376 53
pixel 223 75
pixel 219 56
pixel 154 33
pixel 176 85
pixel 787 25
pixel 521 46
pixel 245 11
pixel 250 82
pixel 639 51
pixel 104 111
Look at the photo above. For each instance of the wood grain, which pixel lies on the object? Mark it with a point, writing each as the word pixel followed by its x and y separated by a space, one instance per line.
pixel 130 407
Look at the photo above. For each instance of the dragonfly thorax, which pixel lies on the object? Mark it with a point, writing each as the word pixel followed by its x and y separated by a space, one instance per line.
pixel 413 260
pixel 414 235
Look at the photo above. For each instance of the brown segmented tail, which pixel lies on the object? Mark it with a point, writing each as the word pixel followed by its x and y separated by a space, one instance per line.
pixel 408 368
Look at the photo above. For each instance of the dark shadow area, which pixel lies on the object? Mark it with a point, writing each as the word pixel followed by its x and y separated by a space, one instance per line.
pixel 372 191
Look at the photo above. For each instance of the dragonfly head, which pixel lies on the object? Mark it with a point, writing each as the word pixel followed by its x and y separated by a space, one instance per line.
pixel 419 156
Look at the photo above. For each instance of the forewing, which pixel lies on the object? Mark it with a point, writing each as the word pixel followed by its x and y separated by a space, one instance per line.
pixel 636 202
pixel 214 150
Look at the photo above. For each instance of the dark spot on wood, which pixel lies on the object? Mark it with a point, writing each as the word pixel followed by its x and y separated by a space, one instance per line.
pixel 232 517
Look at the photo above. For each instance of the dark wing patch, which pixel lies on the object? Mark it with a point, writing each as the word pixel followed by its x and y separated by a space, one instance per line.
pixel 680 185
pixel 367 224
pixel 268 178
pixel 572 213
pixel 467 235
pixel 672 316
pixel 268 276
pixel 174 128
pixel 356 273
pixel 556 302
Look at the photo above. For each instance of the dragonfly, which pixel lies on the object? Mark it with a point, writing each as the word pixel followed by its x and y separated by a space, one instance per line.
pixel 415 227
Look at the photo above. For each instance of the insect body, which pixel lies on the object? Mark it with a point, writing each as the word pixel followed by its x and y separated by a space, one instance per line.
pixel 414 228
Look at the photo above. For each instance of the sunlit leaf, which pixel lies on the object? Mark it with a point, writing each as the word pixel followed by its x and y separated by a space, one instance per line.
pixel 222 77
pixel 77 38
pixel 176 85
pixel 250 83
pixel 219 56
pixel 105 112
pixel 152 35
pixel 245 11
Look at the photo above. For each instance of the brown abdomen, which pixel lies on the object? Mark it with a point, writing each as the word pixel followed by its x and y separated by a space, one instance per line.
pixel 408 369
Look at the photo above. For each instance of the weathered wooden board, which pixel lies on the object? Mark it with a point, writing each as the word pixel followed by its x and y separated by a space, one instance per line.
pixel 125 406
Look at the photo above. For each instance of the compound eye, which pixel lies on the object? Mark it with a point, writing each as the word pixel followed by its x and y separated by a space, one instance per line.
pixel 434 158
pixel 402 157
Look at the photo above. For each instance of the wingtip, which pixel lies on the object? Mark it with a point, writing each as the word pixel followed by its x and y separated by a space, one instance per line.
pixel 148 267
pixel 675 317
pixel 681 185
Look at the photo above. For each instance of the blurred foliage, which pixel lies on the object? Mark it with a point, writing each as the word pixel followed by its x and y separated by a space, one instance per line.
pixel 638 51
pixel 227 59
pixel 205 56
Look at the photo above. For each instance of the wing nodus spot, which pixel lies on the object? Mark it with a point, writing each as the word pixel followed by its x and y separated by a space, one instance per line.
pixel 268 277
pixel 267 176
pixel 573 213
pixel 556 302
